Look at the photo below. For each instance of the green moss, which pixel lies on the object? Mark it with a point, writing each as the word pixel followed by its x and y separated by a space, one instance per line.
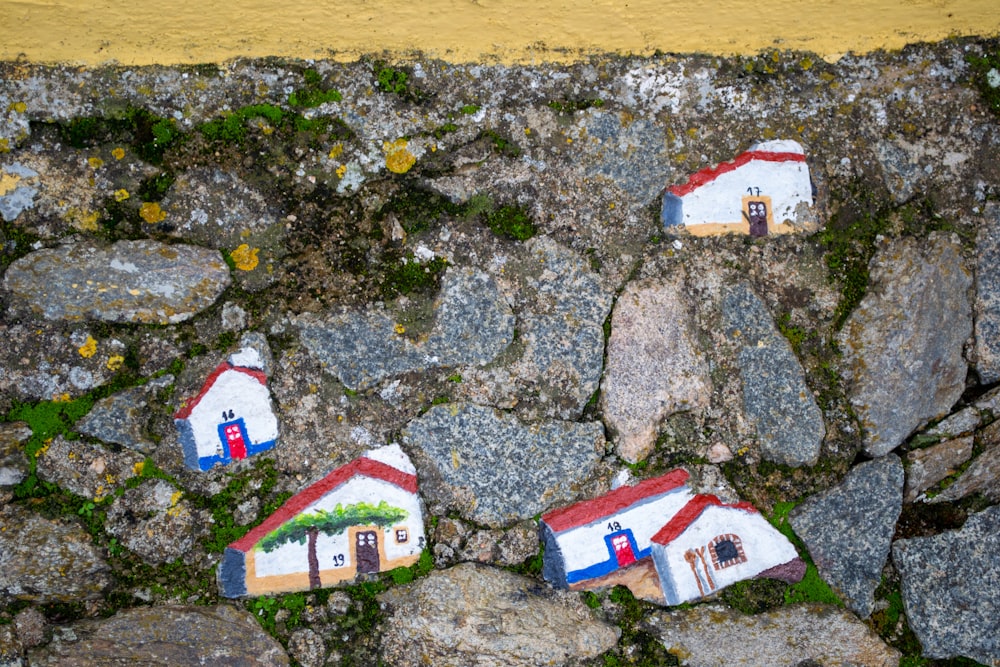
pixel 986 74
pixel 418 209
pixel 447 128
pixel 812 588
pixel 795 335
pixel 404 575
pixel 410 276
pixel 155 187
pixel 469 109
pixel 511 221
pixel 501 144
pixel 636 646
pixel 231 128
pixel 568 106
pixel 149 135
pixel 313 94
pixel 395 81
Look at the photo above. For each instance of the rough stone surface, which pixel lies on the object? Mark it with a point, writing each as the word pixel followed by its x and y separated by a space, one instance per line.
pixel 808 634
pixel 654 366
pixel 121 419
pixel 14 465
pixel 154 521
pixel 168 636
pixel 473 325
pixel 775 394
pixel 848 529
pixel 48 561
pixel 927 467
pixel 982 476
pixel 894 345
pixel 478 615
pixel 950 583
pixel 988 296
pixel 493 468
pixel 307 647
pixel 130 281
pixel 11 649
pixel 962 422
pixel 86 469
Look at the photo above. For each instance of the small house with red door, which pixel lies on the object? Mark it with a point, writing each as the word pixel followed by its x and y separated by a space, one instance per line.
pixel 595 538
pixel 709 545
pixel 231 418
pixel 363 517
pixel 764 190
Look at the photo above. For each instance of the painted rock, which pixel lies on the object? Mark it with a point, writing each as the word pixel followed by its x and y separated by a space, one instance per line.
pixel 231 417
pixel 363 517
pixel 664 543
pixel 765 190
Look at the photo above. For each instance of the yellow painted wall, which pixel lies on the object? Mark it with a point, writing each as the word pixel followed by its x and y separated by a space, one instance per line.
pixel 139 32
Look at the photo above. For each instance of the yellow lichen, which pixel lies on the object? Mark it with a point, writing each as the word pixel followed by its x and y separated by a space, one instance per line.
pixel 398 159
pixel 95 162
pixel 400 329
pixel 44 448
pixel 88 349
pixel 60 398
pixel 4 145
pixel 137 467
pixel 115 362
pixel 341 170
pixel 8 183
pixel 83 219
pixel 19 107
pixel 151 212
pixel 118 153
pixel 336 151
pixel 245 257
pixel 121 195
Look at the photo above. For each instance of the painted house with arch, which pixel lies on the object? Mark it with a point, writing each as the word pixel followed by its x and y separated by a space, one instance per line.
pixel 363 517
pixel 762 191
pixel 709 545
pixel 595 538
pixel 231 418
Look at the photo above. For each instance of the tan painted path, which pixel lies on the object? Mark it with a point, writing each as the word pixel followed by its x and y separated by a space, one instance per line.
pixel 193 31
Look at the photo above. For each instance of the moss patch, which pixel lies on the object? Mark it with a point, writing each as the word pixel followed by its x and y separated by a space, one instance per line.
pixel 986 74
pixel 512 222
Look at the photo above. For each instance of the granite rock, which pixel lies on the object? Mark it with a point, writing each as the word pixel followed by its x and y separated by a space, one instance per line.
pixel 473 614
pixel 11 649
pixel 48 561
pixel 86 469
pixel 988 296
pixel 848 529
pixel 473 325
pixel 927 467
pixel 154 521
pixel 307 647
pixel 14 464
pixel 795 636
pixel 894 345
pixel 950 583
pixel 493 469
pixel 654 366
pixel 130 281
pixel 121 419
pixel 168 636
pixel 982 476
pixel 963 422
pixel 776 397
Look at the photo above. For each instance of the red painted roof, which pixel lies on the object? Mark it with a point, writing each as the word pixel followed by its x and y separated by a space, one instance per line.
pixel 587 511
pixel 363 466
pixel 692 511
pixel 185 410
pixel 709 174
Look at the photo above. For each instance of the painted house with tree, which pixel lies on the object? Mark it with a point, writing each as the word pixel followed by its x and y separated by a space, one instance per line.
pixel 363 517
pixel 231 418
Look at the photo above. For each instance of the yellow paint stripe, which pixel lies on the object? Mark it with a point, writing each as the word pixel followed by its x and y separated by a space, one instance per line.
pixel 510 31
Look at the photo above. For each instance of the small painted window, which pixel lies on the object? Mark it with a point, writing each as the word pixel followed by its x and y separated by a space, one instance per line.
pixel 727 550
pixel 402 535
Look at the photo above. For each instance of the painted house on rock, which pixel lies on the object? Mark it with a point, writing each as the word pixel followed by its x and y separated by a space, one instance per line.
pixel 231 417
pixel 758 193
pixel 709 545
pixel 363 517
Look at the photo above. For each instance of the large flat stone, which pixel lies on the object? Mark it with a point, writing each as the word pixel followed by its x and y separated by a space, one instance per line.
pixel 495 469
pixel 988 296
pixel 130 281
pixel 950 589
pixel 478 615
pixel 904 368
pixel 654 366
pixel 848 529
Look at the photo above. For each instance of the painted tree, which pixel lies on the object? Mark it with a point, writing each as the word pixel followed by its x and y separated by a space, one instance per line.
pixel 305 528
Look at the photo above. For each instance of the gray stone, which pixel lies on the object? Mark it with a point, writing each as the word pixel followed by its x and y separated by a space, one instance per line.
pixel 11 649
pixel 962 422
pixel 48 561
pixel 31 627
pixel 989 402
pixel 494 469
pixel 903 367
pixel 776 397
pixel 473 325
pixel 632 154
pixel 927 467
pixel 806 634
pixel 14 464
pixel 950 589
pixel 154 521
pixel 901 168
pixel 307 647
pixel 988 296
pixel 848 529
pixel 473 614
pixel 982 476
pixel 17 191
pixel 168 636
pixel 86 469
pixel 130 281
pixel 654 366
pixel 121 418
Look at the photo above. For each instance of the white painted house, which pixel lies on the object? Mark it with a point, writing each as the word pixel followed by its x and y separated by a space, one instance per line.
pixel 709 545
pixel 230 418
pixel 363 517
pixel 762 191
pixel 594 538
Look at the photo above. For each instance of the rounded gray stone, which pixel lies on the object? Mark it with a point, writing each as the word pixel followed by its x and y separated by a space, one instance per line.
pixel 848 529
pixel 494 469
pixel 130 281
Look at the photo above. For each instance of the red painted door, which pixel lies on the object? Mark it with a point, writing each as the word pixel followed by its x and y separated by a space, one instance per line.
pixel 234 440
pixel 623 550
